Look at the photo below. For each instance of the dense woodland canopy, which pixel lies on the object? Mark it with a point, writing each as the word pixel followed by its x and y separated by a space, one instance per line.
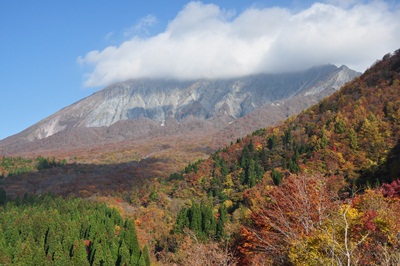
pixel 309 192
pixel 55 231
pixel 322 188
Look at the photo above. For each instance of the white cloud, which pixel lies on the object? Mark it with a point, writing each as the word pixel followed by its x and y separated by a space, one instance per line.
pixel 205 41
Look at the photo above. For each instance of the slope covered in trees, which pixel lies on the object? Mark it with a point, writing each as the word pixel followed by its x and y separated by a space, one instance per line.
pixel 353 133
pixel 55 231
pixel 309 192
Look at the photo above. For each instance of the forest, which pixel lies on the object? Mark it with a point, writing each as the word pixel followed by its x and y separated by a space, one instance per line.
pixel 321 188
pixel 55 231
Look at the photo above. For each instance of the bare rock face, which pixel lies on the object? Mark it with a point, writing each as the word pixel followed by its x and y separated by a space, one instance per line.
pixel 160 101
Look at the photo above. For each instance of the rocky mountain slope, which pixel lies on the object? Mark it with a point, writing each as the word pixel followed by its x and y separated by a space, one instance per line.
pixel 142 109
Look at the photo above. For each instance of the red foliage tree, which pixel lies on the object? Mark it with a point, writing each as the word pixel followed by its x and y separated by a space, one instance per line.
pixel 293 210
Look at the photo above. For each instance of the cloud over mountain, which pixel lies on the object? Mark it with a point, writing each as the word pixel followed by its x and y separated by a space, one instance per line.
pixel 205 41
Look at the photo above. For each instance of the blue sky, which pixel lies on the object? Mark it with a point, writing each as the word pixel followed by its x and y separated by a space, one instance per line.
pixel 54 53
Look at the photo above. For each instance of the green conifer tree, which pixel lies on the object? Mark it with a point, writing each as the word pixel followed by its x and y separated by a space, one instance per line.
pixel 146 255
pixel 224 169
pixel 245 157
pixel 272 142
pixel 131 240
pixel 142 262
pixel 250 179
pixel 98 255
pixel 182 221
pixel 287 138
pixel 264 158
pixel 39 256
pixel 353 139
pixel 5 257
pixel 195 218
pixel 222 219
pixel 79 256
pixel 113 247
pixel 22 253
pixel 251 146
pixel 276 177
pixel 208 220
pixel 123 255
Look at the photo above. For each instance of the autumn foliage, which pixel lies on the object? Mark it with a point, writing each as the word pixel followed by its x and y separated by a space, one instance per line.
pixel 294 210
pixel 322 188
pixel 305 222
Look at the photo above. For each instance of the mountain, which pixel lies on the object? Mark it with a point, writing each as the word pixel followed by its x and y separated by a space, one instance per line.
pixel 354 133
pixel 147 108
pixel 323 182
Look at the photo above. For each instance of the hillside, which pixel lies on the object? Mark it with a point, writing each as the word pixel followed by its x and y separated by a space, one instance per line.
pixel 352 133
pixel 302 186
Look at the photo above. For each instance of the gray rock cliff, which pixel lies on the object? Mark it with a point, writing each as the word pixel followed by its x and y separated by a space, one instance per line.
pixel 162 100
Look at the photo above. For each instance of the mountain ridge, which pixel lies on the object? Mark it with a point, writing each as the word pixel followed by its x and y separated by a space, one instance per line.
pixel 150 104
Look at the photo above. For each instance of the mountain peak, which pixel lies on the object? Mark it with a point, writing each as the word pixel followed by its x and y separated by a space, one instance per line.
pixel 160 100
